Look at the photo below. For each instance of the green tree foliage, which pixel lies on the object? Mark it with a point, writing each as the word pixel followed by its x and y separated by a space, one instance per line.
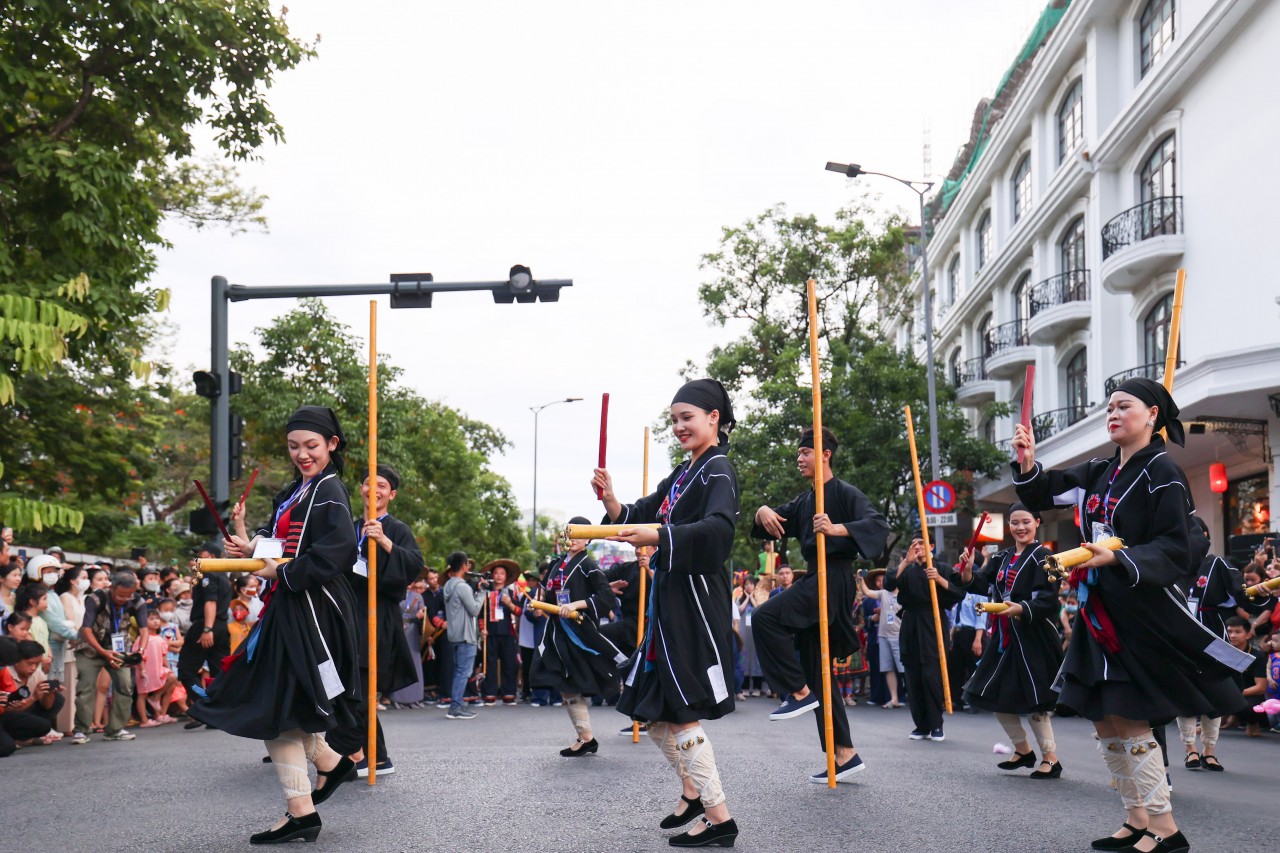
pixel 758 286
pixel 448 493
pixel 97 111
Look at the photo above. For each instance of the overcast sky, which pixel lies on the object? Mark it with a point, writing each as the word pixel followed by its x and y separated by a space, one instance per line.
pixel 606 142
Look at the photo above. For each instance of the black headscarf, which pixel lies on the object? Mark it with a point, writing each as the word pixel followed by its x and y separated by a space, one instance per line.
pixel 322 420
pixel 708 395
pixel 391 475
pixel 1154 394
pixel 1018 506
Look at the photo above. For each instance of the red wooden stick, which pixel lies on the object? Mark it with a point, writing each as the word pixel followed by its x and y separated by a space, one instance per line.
pixel 1027 389
pixel 213 510
pixel 604 434
pixel 977 531
pixel 249 487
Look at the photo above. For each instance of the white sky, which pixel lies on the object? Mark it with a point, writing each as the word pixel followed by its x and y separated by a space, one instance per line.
pixel 606 142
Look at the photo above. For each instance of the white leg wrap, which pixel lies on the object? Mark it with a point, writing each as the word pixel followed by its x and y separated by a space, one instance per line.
pixel 699 761
pixel 1116 756
pixel 1042 728
pixel 665 738
pixel 1012 725
pixel 1146 768
pixel 290 760
pixel 1187 728
pixel 1209 727
pixel 577 707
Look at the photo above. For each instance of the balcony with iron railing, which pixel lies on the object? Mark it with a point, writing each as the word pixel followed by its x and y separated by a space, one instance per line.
pixel 1145 240
pixel 1008 349
pixel 973 387
pixel 1059 306
pixel 1048 424
pixel 1152 370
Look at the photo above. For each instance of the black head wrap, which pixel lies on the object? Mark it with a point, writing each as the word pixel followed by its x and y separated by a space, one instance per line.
pixel 708 395
pixel 322 420
pixel 1018 506
pixel 1154 394
pixel 391 475
pixel 828 440
pixel 579 519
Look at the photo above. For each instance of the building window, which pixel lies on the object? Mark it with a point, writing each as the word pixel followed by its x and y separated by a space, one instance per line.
pixel 1078 385
pixel 984 335
pixel 953 367
pixel 953 280
pixel 1022 298
pixel 1022 187
pixel 1071 247
pixel 984 239
pixel 989 430
pixel 1155 331
pixel 1158 184
pixel 1071 121
pixel 1155 31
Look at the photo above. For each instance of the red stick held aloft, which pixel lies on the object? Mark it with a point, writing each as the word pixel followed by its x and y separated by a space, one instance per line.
pixel 604 434
pixel 1027 389
pixel 213 510
pixel 977 531
pixel 244 497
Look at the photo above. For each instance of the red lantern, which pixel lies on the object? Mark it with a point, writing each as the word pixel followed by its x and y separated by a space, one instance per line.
pixel 1218 478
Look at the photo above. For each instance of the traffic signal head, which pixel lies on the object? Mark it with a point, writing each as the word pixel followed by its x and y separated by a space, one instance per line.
pixel 522 288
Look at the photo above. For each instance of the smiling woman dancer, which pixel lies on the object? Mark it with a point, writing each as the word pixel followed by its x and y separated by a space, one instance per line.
pixel 681 673
pixel 1136 652
pixel 297 675
pixel 1016 672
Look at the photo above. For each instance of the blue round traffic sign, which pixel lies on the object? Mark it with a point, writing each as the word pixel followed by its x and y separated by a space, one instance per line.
pixel 939 496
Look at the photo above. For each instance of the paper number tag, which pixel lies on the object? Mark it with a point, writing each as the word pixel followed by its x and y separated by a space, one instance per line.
pixel 268 549
pixel 562 597
pixel 361 567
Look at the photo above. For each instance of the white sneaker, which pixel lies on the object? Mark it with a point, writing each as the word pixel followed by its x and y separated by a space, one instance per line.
pixel 79 738
pixel 123 734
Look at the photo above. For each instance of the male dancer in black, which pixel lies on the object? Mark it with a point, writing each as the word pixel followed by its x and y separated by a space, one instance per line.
pixel 399 562
pixel 788 622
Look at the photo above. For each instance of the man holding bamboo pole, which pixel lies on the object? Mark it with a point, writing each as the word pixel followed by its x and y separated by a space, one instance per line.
pixel 785 627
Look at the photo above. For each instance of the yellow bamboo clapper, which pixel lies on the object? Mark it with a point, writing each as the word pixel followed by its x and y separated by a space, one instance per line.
pixel 600 531
pixel 550 608
pixel 1060 565
pixel 993 608
pixel 1265 588
pixel 245 564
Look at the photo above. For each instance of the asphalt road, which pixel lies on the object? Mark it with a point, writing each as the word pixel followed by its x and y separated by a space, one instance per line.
pixel 497 783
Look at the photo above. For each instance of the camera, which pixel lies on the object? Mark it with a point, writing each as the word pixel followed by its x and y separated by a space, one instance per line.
pixel 131 659
pixel 479 581
pixel 21 693
pixel 54 684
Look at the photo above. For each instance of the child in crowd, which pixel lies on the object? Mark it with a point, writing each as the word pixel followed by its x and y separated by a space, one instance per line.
pixel 238 626
pixel 155 680
pixel 18 626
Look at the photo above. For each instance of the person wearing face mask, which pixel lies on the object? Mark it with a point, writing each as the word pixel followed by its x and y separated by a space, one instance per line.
pixel 1136 655
pixel 1015 674
pixel 181 592
pixel 60 630
pixel 247 588
pixel 70 589
pixel 149 579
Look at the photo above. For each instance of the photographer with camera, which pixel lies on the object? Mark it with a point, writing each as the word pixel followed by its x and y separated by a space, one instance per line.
pixel 462 603
pixel 31 702
pixel 113 620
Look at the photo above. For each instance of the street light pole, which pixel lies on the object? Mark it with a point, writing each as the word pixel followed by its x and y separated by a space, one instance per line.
pixel 853 170
pixel 533 524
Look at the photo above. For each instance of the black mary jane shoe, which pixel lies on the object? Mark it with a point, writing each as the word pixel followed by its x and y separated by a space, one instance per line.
pixel 1019 760
pixel 715 835
pixel 694 807
pixel 1211 762
pixel 1124 842
pixel 1176 843
pixel 1192 761
pixel 340 773
pixel 580 748
pixel 305 828
pixel 1054 771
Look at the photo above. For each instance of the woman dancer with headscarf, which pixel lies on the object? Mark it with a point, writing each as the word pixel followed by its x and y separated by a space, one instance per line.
pixel 1136 653
pixel 297 675
pixel 682 673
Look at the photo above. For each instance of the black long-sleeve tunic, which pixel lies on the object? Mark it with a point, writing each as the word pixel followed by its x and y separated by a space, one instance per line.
pixel 918 639
pixel 623 630
pixel 1016 672
pixel 1214 594
pixel 396 570
pixel 298 668
pixel 1136 652
pixel 573 657
pixel 868 532
pixel 683 670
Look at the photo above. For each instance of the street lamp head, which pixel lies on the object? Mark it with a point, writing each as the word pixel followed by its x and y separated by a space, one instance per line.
pixel 850 170
pixel 572 399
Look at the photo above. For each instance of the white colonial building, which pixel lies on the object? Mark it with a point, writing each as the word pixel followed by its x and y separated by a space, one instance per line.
pixel 1136 140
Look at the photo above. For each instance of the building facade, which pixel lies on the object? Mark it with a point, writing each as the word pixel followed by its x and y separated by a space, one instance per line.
pixel 1137 143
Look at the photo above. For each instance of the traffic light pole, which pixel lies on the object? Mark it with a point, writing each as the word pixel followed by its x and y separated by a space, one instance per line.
pixel 407 290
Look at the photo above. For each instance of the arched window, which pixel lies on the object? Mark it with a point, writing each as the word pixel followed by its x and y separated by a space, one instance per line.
pixel 953 280
pixel 989 430
pixel 1022 298
pixel 1158 183
pixel 984 239
pixel 1022 187
pixel 1071 121
pixel 1078 386
pixel 953 368
pixel 1155 31
pixel 1071 247
pixel 1155 331
pixel 984 335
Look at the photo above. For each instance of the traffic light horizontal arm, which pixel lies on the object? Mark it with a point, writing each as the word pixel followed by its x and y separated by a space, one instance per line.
pixel 243 292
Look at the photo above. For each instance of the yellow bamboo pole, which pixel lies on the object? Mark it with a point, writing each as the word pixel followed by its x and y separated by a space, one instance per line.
pixel 819 501
pixel 1175 334
pixel 644 490
pixel 371 514
pixel 928 558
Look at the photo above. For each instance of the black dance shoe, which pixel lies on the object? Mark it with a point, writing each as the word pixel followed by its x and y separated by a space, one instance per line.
pixel 306 828
pixel 1124 842
pixel 1176 843
pixel 340 773
pixel 1019 759
pixel 673 820
pixel 715 835
pixel 580 748
pixel 1054 771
